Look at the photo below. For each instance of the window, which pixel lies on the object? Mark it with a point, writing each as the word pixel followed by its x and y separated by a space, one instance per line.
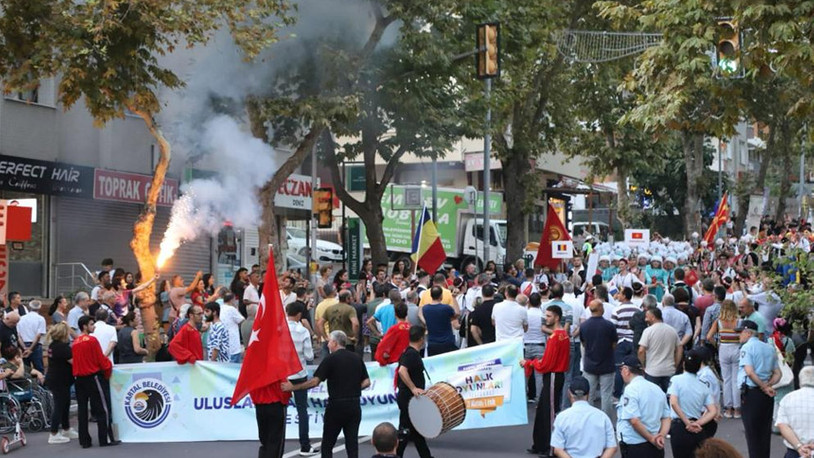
pixel 32 96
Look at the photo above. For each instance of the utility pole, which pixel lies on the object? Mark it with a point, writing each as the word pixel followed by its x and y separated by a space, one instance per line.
pixel 435 187
pixel 313 223
pixel 487 173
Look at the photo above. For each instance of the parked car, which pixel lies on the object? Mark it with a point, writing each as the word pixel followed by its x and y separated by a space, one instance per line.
pixel 325 251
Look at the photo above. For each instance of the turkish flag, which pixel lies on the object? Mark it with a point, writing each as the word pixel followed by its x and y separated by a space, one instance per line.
pixel 553 231
pixel 270 354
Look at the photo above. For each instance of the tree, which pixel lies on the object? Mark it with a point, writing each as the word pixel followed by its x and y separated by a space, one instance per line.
pixel 371 100
pixel 530 102
pixel 106 53
pixel 675 87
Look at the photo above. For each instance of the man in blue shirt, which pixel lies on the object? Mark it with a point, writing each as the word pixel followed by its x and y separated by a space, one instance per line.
pixel 643 416
pixel 599 337
pixel 757 372
pixel 439 317
pixel 582 431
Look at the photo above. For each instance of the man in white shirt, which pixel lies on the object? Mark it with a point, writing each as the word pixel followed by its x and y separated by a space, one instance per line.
pixel 103 278
pixel 31 329
pixel 529 286
pixel 105 333
pixel 509 318
pixel 231 319
pixel 80 308
pixel 251 296
pixel 305 352
pixel 475 292
pixel 795 417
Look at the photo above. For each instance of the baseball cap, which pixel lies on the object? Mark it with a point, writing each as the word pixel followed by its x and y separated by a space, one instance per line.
pixel 631 361
pixel 579 386
pixel 747 324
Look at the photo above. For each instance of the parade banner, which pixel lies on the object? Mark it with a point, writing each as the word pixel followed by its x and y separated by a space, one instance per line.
pixel 167 402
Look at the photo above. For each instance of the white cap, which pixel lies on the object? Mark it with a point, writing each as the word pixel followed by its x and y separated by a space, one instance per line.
pixel 673 260
pixel 604 257
pixel 655 258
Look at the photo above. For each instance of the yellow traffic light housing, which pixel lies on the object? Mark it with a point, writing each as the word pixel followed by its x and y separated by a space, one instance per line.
pixel 323 207
pixel 488 46
pixel 728 48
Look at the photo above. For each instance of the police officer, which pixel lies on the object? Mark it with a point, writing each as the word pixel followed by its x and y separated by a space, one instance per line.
pixel 694 409
pixel 582 429
pixel 643 416
pixel 757 372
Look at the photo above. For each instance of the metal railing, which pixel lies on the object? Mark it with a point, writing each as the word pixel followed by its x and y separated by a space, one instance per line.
pixel 73 276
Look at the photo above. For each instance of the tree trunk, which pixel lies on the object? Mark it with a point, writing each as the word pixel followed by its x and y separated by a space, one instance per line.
pixel 140 244
pixel 513 191
pixel 785 175
pixel 622 199
pixel 267 231
pixel 692 144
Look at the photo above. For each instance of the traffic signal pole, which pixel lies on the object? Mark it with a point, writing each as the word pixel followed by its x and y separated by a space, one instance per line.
pixel 487 173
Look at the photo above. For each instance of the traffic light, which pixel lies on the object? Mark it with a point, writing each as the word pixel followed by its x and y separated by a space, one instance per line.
pixel 488 55
pixel 323 207
pixel 728 48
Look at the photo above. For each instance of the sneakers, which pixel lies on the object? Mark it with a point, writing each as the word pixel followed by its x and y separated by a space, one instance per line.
pixel 309 451
pixel 58 438
pixel 70 433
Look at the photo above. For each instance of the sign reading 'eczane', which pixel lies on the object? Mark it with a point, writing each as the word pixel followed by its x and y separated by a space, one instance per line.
pixel 295 192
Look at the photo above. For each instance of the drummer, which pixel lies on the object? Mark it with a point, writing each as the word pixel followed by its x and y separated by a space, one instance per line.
pixel 411 383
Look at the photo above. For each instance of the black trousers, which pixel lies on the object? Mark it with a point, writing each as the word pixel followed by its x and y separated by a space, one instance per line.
pixel 270 429
pixel 439 349
pixel 406 425
pixel 645 450
pixel 93 389
pixel 756 411
pixel 684 443
pixel 547 408
pixel 343 416
pixel 60 416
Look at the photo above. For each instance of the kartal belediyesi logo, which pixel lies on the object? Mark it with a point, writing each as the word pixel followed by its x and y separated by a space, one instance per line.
pixel 147 402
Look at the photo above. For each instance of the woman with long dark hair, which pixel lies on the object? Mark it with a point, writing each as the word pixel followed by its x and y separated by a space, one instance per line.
pixel 209 284
pixel 58 309
pixel 130 348
pixel 59 380
pixel 238 286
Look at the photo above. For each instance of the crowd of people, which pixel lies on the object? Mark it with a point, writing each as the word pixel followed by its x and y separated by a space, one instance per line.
pixel 646 352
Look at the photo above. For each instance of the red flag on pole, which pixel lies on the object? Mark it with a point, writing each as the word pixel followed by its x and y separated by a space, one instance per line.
pixel 553 231
pixel 270 354
pixel 720 219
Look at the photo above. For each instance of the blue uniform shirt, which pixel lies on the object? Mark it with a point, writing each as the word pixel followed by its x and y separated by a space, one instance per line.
pixel 693 395
pixel 583 431
pixel 761 356
pixel 708 378
pixel 645 401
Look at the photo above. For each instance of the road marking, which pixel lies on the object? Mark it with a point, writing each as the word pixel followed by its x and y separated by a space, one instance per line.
pixel 338 448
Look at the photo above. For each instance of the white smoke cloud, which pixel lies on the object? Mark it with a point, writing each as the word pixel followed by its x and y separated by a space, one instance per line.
pixel 245 164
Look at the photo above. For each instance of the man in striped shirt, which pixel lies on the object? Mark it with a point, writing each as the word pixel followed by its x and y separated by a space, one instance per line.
pixel 624 345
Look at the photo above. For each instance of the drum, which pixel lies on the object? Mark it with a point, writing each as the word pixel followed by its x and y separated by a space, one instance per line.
pixel 438 411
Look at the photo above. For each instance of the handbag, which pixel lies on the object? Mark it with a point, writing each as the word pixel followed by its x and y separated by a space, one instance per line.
pixel 787 376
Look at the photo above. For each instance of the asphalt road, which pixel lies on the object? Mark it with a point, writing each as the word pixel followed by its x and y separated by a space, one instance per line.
pixel 482 443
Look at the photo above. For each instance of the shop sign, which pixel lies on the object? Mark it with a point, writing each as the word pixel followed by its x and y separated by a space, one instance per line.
pixel 43 177
pixel 131 187
pixel 295 192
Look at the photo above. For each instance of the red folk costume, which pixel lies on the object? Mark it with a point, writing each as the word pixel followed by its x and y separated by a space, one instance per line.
pixel 556 357
pixel 88 358
pixel 393 344
pixel 186 346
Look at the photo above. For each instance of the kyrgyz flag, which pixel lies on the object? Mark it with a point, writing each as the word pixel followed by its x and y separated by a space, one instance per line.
pixel 720 219
pixel 270 354
pixel 428 252
pixel 554 231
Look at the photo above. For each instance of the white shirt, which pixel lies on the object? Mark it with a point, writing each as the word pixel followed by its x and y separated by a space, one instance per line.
pixel 471 297
pixel 231 319
pixel 73 317
pixel 105 334
pixel 289 298
pixel 509 318
pixel 302 343
pixel 607 312
pixel 31 324
pixel 251 296
pixel 796 411
pixel 94 293
pixel 622 281
pixel 535 333
pixel 577 310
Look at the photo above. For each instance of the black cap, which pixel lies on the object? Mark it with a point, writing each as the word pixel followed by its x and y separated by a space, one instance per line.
pixel 579 386
pixel 747 324
pixel 631 361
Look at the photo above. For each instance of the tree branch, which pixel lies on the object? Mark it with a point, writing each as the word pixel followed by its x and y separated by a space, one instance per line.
pixel 389 170
pixel 382 22
pixel 337 179
pixel 293 161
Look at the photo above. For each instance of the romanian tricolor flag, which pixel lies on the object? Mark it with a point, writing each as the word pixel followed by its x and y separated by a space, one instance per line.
pixel 721 217
pixel 428 252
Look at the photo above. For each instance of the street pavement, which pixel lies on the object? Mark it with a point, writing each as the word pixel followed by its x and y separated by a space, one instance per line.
pixel 481 443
